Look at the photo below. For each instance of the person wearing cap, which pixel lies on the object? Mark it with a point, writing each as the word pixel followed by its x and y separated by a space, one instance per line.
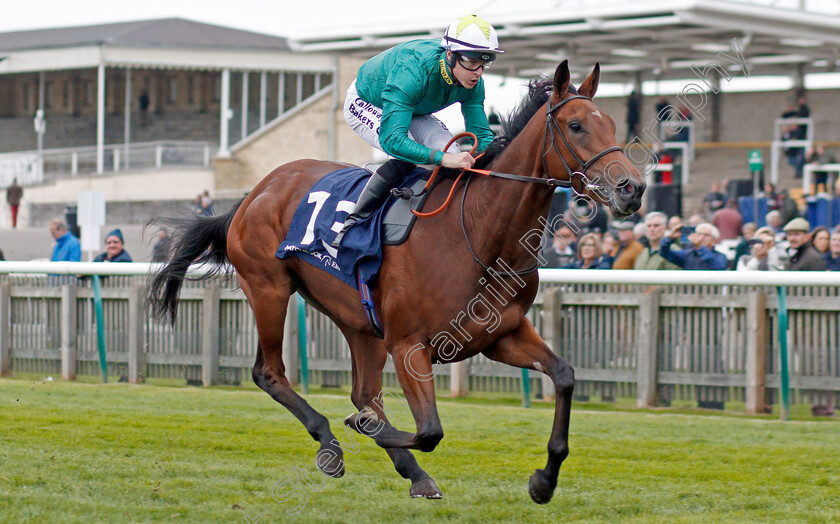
pixel 628 247
pixel 391 101
pixel 114 249
pixel 803 256
pixel 701 255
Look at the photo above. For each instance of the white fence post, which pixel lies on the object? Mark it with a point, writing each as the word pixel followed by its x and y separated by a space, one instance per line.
pixel 210 335
pixel 756 351
pixel 158 156
pixel 648 343
pixel 5 329
pixel 291 352
pixel 552 308
pixel 459 379
pixel 68 332
pixel 136 335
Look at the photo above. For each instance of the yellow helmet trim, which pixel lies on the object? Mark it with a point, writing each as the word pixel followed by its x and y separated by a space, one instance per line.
pixel 468 20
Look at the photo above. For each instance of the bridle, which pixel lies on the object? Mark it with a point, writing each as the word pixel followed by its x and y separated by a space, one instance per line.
pixel 552 129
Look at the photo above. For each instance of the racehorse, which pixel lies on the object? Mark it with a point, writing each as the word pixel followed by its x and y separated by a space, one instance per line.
pixel 459 286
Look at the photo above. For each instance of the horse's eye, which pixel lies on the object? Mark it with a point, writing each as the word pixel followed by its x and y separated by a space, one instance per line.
pixel 576 127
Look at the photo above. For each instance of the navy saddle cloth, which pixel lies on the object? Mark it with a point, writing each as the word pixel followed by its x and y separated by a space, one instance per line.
pixel 320 216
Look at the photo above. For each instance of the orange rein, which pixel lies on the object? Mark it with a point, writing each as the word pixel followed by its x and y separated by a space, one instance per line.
pixel 454 185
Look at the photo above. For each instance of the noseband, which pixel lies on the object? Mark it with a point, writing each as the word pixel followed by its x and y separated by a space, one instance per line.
pixel 551 128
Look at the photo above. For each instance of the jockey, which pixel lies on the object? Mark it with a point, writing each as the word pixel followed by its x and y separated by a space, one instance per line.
pixel 391 101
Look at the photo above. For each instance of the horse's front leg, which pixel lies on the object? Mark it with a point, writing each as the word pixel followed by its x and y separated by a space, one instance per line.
pixel 414 371
pixel 524 348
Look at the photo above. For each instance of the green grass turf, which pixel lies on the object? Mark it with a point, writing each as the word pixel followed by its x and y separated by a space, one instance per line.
pixel 76 452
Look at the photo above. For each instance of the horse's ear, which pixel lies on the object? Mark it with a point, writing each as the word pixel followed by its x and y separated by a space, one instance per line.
pixel 562 78
pixel 590 85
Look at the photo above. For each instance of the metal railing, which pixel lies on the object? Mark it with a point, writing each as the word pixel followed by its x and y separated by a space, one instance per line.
pixel 54 164
pixel 711 336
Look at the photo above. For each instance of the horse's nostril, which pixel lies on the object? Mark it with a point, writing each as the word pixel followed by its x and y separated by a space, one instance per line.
pixel 626 189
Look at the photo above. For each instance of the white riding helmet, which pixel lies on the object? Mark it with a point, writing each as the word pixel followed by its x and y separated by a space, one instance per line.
pixel 471 34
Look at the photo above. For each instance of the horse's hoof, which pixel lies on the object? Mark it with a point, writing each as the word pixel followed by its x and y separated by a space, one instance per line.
pixel 330 460
pixel 425 488
pixel 540 487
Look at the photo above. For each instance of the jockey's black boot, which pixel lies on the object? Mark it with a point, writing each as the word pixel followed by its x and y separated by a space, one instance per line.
pixel 376 191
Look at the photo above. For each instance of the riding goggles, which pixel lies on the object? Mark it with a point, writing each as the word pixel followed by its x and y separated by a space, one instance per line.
pixel 472 61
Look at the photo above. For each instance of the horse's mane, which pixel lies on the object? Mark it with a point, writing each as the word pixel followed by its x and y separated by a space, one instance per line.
pixel 539 92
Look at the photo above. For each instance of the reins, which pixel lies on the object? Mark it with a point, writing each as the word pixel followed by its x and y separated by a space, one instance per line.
pixel 551 129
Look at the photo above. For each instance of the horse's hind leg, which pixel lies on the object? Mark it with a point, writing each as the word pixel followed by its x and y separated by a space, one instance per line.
pixel 369 356
pixel 524 348
pixel 269 300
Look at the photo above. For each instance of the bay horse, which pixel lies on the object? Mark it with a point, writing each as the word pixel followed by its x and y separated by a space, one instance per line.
pixel 471 249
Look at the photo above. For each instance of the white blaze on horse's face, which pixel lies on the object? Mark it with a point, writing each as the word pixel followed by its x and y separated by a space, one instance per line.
pixel 597 113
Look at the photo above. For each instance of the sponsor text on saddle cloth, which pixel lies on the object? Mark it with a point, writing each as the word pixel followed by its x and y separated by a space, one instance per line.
pixel 319 217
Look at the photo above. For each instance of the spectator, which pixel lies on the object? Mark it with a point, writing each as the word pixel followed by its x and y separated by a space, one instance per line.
pixel 114 249
pixel 67 247
pixel 743 248
pixel 819 156
pixel 206 204
pixel 774 222
pixel 143 104
pixel 728 220
pixel 820 239
pixel 686 116
pixel 674 221
pixel 775 252
pixel 561 252
pixel 837 188
pixel 803 256
pixel 13 195
pixel 639 234
pixel 714 200
pixel 590 254
pixel 628 247
pixel 695 220
pixel 788 207
pixel 662 114
pixel 610 244
pixel 633 107
pixel 161 246
pixel 650 258
pixel 832 257
pixel 762 257
pixel 701 255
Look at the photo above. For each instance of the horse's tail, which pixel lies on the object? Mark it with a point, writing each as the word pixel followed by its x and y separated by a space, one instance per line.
pixel 189 240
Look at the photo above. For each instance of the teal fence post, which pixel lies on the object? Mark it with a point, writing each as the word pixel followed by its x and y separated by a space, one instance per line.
pixel 100 328
pixel 526 388
pixel 783 355
pixel 304 365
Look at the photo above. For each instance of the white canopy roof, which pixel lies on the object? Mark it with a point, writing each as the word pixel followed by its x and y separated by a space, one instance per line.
pixel 654 38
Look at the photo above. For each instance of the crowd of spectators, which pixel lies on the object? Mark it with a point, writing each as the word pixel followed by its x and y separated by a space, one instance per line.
pixel 660 242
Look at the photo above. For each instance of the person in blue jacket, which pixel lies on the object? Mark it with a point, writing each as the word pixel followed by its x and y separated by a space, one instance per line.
pixel 114 249
pixel 701 254
pixel 67 247
pixel 391 101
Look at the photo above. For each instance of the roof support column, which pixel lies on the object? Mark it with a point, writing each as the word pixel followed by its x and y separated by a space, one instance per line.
pixel 714 108
pixel 224 114
pixel 127 118
pixel 799 80
pixel 245 97
pixel 41 112
pixel 281 92
pixel 263 96
pixel 100 119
